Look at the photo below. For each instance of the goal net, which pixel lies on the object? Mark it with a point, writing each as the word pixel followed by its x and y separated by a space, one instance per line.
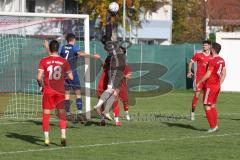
pixel 21 48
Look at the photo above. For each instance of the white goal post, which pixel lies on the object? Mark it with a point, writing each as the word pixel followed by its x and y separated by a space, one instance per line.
pixel 22 33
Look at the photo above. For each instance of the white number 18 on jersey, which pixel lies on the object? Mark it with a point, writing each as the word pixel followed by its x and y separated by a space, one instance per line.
pixel 54 72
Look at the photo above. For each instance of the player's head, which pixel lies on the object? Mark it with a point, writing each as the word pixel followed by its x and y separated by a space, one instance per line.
pixel 70 37
pixel 123 49
pixel 207 42
pixel 53 46
pixel 215 48
pixel 206 45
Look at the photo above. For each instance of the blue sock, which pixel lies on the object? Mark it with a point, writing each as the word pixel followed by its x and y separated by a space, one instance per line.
pixel 79 104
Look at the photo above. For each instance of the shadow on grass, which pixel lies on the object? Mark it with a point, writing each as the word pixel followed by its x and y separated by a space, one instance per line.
pixel 179 125
pixel 232 119
pixel 28 138
pixel 39 122
pixel 97 123
pixel 55 123
pixel 74 125
pixel 235 119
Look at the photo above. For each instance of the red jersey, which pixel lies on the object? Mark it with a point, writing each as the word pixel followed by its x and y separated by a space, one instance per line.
pixel 202 61
pixel 103 81
pixel 55 69
pixel 123 94
pixel 127 70
pixel 216 66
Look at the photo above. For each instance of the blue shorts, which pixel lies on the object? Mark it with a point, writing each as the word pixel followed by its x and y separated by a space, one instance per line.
pixel 73 84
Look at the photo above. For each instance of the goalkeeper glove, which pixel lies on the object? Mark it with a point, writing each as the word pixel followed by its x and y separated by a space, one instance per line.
pixel 40 86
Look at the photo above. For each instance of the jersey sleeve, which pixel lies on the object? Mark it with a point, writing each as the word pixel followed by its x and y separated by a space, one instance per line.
pixel 41 65
pixel 76 49
pixel 195 57
pixel 127 70
pixel 61 51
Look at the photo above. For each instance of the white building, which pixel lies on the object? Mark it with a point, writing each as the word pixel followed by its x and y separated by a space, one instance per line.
pixel 156 27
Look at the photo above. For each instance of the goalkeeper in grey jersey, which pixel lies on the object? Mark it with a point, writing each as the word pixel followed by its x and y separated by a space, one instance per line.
pixel 117 65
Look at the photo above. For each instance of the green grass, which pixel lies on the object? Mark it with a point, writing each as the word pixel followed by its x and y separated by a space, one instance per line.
pixel 140 139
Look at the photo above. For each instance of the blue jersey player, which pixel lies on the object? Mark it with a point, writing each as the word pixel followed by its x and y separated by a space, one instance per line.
pixel 72 52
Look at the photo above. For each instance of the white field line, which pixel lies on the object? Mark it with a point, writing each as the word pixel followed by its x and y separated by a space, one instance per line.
pixel 9 123
pixel 119 143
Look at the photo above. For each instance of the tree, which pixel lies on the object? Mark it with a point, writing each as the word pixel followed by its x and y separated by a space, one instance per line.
pixel 99 8
pixel 224 13
pixel 188 21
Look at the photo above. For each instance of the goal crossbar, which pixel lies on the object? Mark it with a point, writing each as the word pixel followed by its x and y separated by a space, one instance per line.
pixel 46 15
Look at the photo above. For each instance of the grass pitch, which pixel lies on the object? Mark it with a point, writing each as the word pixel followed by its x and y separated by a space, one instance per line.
pixel 159 130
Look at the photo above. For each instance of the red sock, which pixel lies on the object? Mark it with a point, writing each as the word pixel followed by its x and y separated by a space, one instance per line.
pixel 210 119
pixel 116 109
pixel 45 122
pixel 194 102
pixel 215 116
pixel 125 106
pixel 62 120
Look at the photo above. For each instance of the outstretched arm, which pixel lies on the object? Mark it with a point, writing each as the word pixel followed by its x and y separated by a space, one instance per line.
pixel 46 45
pixel 83 54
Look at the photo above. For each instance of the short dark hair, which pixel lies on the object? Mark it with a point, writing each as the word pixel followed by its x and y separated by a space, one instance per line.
pixel 207 42
pixel 70 37
pixel 54 46
pixel 217 47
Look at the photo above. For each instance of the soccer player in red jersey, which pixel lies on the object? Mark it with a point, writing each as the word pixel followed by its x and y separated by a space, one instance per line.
pixel 213 79
pixel 123 94
pixel 54 70
pixel 202 59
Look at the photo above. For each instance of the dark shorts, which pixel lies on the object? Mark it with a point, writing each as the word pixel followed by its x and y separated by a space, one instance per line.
pixel 116 77
pixel 73 84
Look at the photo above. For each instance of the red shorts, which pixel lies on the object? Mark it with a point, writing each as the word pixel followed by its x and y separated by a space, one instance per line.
pixel 53 101
pixel 210 95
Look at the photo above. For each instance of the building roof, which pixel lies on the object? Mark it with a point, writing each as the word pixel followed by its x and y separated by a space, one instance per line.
pixel 223 12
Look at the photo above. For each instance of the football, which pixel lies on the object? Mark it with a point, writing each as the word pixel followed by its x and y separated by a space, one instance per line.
pixel 113 7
